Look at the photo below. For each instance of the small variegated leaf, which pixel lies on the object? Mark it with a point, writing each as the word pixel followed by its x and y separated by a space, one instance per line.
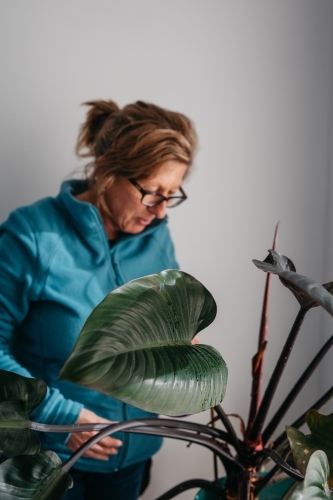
pixel 314 486
pixel 37 477
pixel 321 438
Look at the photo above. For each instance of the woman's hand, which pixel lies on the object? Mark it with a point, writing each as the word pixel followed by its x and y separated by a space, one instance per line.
pixel 101 450
pixel 195 340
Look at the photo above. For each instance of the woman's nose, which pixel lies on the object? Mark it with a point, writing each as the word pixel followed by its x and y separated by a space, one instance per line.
pixel 159 211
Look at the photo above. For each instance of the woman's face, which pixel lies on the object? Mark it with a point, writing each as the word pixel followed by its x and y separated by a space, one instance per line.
pixel 123 200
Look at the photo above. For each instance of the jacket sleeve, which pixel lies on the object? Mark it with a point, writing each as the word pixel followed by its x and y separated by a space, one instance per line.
pixel 18 287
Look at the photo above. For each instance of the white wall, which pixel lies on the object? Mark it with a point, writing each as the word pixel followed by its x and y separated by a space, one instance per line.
pixel 255 76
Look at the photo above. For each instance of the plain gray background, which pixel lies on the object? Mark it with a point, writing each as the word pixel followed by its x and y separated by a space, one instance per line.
pixel 256 78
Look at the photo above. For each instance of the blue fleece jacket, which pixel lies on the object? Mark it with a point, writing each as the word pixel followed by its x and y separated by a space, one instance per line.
pixel 56 265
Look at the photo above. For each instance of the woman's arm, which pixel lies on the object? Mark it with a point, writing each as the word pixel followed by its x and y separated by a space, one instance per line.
pixel 18 290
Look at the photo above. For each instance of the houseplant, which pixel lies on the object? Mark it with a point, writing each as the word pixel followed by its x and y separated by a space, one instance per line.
pixel 155 318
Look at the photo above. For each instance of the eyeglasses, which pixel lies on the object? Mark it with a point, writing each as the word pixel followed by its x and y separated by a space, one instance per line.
pixel 152 199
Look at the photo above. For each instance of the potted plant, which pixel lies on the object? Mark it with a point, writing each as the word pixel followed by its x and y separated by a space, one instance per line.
pixel 149 324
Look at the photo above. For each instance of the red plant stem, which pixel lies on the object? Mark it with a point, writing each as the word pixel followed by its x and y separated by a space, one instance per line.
pixel 258 372
pixel 255 432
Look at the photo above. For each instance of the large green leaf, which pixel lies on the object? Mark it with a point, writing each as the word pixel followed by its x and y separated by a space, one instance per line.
pixel 307 292
pixel 314 486
pixel 136 346
pixel 321 438
pixel 37 477
pixel 18 397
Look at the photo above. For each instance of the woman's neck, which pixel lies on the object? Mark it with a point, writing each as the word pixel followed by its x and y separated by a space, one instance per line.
pixel 90 197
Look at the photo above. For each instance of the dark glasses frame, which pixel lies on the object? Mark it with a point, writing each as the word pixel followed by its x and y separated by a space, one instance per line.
pixel 177 199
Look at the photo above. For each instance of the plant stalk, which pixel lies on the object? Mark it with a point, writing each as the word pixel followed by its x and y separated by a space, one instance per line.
pixel 295 391
pixel 254 434
pixel 244 485
pixel 295 474
pixel 257 372
pixel 164 423
pixel 266 479
pixel 216 475
pixel 234 441
pixel 149 426
pixel 192 483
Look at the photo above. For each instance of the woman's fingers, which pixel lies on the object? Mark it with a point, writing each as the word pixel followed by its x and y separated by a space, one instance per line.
pixel 107 446
pixel 96 455
pixel 101 450
pixel 110 445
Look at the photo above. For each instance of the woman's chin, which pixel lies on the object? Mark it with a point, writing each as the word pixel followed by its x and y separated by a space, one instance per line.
pixel 137 225
pixel 135 229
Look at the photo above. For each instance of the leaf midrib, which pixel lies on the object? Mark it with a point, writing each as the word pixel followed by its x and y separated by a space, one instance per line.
pixel 155 345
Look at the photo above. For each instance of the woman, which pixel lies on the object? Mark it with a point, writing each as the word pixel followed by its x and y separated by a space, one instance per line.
pixel 59 258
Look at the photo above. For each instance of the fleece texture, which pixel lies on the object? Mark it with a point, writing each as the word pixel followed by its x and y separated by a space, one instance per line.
pixel 56 265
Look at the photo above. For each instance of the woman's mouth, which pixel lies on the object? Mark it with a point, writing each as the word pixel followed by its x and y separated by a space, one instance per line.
pixel 144 222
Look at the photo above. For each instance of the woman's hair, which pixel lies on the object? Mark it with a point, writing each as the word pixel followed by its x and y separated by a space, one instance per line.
pixel 134 141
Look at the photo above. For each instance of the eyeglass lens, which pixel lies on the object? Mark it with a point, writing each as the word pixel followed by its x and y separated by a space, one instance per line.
pixel 151 200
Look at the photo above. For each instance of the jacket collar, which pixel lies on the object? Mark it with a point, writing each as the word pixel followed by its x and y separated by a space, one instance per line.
pixel 85 217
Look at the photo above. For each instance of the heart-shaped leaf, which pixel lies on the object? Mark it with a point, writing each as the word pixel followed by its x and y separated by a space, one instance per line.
pixel 320 425
pixel 136 346
pixel 18 397
pixel 37 477
pixel 314 486
pixel 321 438
pixel 302 447
pixel 307 292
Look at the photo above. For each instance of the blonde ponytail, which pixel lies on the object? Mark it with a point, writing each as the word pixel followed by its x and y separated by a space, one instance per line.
pixel 96 117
